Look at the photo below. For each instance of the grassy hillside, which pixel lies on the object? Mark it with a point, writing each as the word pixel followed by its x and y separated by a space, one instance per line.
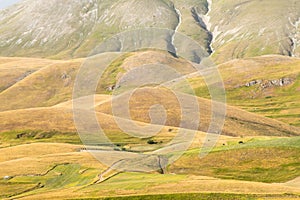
pixel 53 84
pixel 273 160
pixel 51 81
pixel 237 122
pixel 256 155
pixel 280 102
pixel 13 70
pixel 257 159
pixel 49 85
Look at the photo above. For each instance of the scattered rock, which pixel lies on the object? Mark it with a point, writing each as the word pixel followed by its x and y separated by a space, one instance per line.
pixel 7 177
pixel 252 83
pixel 286 81
pixel 111 88
pixel 270 83
pixel 58 174
pixel 64 76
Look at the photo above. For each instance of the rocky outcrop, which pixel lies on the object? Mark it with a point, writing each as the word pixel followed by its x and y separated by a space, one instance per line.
pixel 270 83
pixel 203 21
pixel 252 83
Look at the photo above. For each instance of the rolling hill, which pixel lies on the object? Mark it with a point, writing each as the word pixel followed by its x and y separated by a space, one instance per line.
pixel 164 128
pixel 266 85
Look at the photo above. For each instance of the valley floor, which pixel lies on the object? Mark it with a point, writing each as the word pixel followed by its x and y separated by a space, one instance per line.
pixel 61 171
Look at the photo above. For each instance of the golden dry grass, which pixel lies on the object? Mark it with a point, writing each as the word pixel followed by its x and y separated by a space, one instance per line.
pixel 13 70
pixel 35 165
pixel 37 159
pixel 255 164
pixel 35 149
pixel 48 86
pixel 154 57
pixel 99 99
pixel 237 122
pixel 61 119
pixel 281 103
pixel 32 160
pixel 52 80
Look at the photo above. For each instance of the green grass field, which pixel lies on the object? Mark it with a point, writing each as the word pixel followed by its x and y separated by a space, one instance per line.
pixel 257 160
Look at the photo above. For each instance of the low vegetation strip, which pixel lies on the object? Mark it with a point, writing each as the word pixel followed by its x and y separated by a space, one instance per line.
pixel 203 196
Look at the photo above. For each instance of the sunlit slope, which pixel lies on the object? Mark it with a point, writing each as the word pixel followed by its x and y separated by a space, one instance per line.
pixel 263 160
pixel 237 122
pixel 13 70
pixel 267 85
pixel 47 86
pixel 51 82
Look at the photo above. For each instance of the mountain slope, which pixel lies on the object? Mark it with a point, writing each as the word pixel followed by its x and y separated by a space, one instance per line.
pixel 250 28
pixel 73 28
pixel 229 29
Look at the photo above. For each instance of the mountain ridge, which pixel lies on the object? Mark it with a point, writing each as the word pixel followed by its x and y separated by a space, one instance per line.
pixel 72 29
